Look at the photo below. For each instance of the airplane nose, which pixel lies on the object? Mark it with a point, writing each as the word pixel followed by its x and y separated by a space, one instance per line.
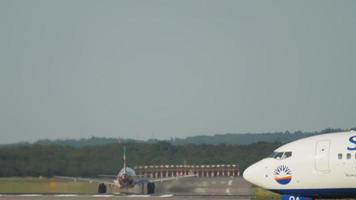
pixel 254 174
pixel 258 174
pixel 248 174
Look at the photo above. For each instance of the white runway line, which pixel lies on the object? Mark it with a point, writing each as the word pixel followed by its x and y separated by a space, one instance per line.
pixel 227 190
pixel 229 183
pixel 30 195
pixel 166 195
pixel 66 195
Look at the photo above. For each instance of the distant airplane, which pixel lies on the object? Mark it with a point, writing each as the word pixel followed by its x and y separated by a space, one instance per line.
pixel 322 166
pixel 126 178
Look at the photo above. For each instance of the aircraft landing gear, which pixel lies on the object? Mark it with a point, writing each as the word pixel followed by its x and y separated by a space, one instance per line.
pixel 151 188
pixel 102 188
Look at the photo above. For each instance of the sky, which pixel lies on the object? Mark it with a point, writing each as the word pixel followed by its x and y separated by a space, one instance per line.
pixel 163 69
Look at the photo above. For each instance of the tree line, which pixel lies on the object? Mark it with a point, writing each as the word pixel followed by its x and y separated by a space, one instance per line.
pixel 90 161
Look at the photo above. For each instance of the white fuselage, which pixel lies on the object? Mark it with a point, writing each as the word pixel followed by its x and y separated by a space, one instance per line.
pixel 311 165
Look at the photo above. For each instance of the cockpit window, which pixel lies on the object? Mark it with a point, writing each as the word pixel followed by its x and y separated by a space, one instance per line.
pixel 287 154
pixel 276 155
pixel 281 155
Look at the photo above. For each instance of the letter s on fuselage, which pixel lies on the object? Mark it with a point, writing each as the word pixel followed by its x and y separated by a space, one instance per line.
pixel 317 166
pixel 353 141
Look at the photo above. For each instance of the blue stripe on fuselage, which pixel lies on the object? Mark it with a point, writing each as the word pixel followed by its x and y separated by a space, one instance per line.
pixel 320 193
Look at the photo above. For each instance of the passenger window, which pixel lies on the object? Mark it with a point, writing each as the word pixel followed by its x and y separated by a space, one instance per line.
pixel 348 156
pixel 339 156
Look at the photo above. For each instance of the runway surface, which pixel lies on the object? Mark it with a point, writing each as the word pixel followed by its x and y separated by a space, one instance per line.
pixel 208 186
pixel 109 197
pixel 183 189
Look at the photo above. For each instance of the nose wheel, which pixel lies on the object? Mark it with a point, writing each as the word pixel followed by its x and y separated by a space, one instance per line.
pixel 102 188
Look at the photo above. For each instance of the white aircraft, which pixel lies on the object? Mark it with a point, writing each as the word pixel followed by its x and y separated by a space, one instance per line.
pixel 322 166
pixel 126 178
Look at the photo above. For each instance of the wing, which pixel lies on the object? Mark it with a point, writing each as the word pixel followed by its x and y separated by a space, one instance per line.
pixel 91 180
pixel 173 178
pixel 110 176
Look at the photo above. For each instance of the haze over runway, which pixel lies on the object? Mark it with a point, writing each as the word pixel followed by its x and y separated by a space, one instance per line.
pixel 142 69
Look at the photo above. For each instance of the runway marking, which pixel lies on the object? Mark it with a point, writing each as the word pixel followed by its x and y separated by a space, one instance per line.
pixel 229 183
pixel 166 195
pixel 136 195
pixel 30 195
pixel 66 195
pixel 227 190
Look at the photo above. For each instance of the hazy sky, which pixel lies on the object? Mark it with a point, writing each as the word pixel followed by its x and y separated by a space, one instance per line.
pixel 142 69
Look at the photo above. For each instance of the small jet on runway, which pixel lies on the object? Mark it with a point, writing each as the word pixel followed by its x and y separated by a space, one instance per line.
pixel 126 178
pixel 322 166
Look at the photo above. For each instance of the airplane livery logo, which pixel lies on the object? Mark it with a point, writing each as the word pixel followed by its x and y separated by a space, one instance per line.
pixel 282 174
pixel 352 140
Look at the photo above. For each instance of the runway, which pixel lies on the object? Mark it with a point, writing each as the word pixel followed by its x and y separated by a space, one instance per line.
pixel 236 186
pixel 130 197
pixel 184 189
